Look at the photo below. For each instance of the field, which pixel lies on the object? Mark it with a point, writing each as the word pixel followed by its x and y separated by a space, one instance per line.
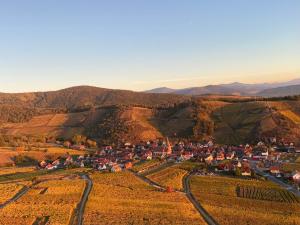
pixel 291 166
pixel 9 190
pixel 52 202
pixel 7 154
pixel 268 194
pixel 122 198
pixel 218 195
pixel 146 165
pixel 13 170
pixel 291 115
pixel 172 176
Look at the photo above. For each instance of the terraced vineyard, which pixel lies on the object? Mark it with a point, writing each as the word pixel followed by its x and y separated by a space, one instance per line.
pixel 218 196
pixel 122 198
pixel 51 202
pixel 7 191
pixel 268 194
pixel 146 165
pixel 172 176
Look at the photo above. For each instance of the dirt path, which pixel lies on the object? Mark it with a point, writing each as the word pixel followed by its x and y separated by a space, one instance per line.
pixel 84 199
pixel 22 192
pixel 208 219
pixel 148 181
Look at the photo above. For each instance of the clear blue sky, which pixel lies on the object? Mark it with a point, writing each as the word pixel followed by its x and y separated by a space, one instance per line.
pixel 142 44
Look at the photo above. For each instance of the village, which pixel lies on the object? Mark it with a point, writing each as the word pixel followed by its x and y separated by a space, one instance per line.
pixel 242 161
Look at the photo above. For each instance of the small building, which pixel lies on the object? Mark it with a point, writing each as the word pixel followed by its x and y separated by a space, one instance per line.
pixel 274 170
pixel 115 168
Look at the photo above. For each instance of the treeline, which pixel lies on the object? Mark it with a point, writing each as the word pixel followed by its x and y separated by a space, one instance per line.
pixel 22 141
pixel 20 114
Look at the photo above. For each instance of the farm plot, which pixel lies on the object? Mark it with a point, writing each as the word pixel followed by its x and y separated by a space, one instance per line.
pixel 7 191
pixel 13 170
pixel 122 198
pixel 172 176
pixel 51 201
pixel 268 194
pixel 144 166
pixel 218 195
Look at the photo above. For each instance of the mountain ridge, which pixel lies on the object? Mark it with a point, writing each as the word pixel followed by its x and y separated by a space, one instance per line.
pixel 235 88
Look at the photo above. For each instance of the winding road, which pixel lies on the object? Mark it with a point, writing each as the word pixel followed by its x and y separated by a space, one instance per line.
pixel 275 180
pixel 187 191
pixel 84 199
pixel 186 183
pixel 148 181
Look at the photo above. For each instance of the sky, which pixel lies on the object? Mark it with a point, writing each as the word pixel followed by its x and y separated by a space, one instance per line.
pixel 143 44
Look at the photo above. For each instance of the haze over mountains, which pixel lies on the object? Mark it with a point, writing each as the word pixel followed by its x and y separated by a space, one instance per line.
pixel 260 89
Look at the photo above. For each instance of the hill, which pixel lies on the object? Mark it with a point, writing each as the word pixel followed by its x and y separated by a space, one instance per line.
pixel 281 91
pixel 21 107
pixel 161 90
pixel 111 116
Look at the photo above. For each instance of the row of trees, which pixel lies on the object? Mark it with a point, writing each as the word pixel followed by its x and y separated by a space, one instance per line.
pixel 80 140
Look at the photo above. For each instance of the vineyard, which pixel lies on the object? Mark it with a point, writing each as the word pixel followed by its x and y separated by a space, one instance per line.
pixel 267 194
pixel 7 191
pixel 53 201
pixel 146 165
pixel 172 176
pixel 122 198
pixel 13 170
pixel 218 195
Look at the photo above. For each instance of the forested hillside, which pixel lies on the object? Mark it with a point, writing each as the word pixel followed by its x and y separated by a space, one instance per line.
pixel 111 116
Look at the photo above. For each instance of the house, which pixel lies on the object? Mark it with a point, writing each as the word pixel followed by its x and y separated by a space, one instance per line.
pixel 187 155
pixel 43 164
pixel 115 168
pixel 147 155
pixel 220 156
pixel 68 161
pixel 128 165
pixel 246 171
pixel 230 155
pixel 296 177
pixel 274 170
pixel 102 167
pixel 209 159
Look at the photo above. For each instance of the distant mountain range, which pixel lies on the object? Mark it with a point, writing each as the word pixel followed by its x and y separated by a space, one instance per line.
pixel 260 89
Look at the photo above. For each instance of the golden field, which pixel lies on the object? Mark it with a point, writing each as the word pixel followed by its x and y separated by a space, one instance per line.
pixel 9 190
pixel 172 176
pixel 54 200
pixel 13 170
pixel 146 165
pixel 122 198
pixel 7 154
pixel 218 196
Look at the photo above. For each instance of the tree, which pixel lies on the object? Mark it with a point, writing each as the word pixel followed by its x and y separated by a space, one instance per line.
pixel 238 172
pixel 91 143
pixel 78 139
